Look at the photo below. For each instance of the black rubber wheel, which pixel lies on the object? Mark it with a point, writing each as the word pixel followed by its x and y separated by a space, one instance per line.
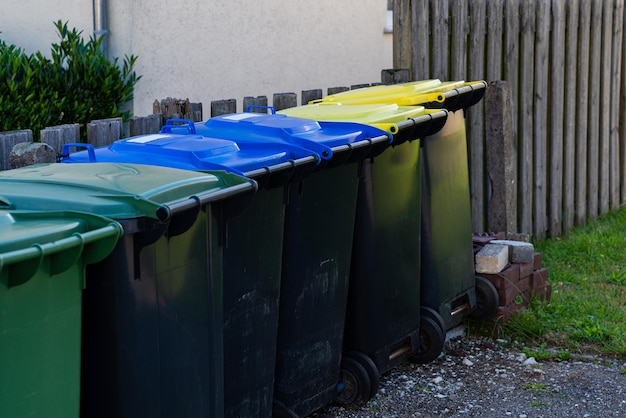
pixel 434 314
pixel 432 338
pixel 355 383
pixel 279 410
pixel 370 367
pixel 487 299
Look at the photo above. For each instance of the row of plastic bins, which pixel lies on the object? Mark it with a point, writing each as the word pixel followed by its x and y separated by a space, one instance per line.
pixel 270 265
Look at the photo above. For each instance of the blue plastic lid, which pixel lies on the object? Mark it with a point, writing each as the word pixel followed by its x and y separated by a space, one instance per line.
pixel 320 137
pixel 192 152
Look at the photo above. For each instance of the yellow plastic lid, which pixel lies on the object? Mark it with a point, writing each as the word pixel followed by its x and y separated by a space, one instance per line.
pixel 383 116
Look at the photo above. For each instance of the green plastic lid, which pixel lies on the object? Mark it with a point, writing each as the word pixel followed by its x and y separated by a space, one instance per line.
pixel 115 190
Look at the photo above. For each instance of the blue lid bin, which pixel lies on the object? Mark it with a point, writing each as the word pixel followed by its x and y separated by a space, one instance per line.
pixel 152 342
pixel 319 226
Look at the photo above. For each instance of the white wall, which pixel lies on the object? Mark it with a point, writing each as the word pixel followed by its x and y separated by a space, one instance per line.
pixel 221 49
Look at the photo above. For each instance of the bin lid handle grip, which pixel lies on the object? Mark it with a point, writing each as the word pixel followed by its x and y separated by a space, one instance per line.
pixel 65 152
pixel 179 123
pixel 272 109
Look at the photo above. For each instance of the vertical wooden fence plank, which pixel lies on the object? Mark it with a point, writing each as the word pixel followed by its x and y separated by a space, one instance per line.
pixel 495 38
pixel 616 74
pixel 395 76
pixel 556 107
pixel 511 62
pixel 475 114
pixel 540 149
pixel 459 26
pixel 144 125
pixel 284 100
pixel 582 91
pixel 622 119
pixel 10 139
pixel 308 95
pixel 223 107
pixel 57 136
pixel 593 110
pixel 569 126
pixel 439 18
pixel 103 132
pixel 605 105
pixel 421 49
pixel 402 34
pixel 333 90
pixel 526 117
pixel 255 101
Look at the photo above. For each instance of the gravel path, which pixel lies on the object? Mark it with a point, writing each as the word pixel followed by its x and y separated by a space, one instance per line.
pixel 481 378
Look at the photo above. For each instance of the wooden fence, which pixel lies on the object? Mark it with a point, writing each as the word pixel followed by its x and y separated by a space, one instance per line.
pixel 563 61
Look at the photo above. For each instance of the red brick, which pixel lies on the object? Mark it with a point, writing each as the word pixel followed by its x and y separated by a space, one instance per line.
pixel 509 275
pixel 511 291
pixel 526 269
pixel 539 278
pixel 536 261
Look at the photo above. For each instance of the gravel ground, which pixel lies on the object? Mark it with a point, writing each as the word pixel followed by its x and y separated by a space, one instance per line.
pixel 482 378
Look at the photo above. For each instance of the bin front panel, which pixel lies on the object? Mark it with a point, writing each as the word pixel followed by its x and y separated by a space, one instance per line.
pixel 316 261
pixel 384 306
pixel 447 255
pixel 252 273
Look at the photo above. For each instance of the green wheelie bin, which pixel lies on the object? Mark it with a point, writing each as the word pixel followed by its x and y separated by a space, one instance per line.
pixel 152 317
pixel 42 274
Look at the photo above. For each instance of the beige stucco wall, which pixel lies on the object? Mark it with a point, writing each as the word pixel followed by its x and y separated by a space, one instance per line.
pixel 211 49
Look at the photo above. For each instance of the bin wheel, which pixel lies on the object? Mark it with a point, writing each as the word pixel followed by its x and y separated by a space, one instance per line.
pixel 370 367
pixel 279 410
pixel 487 299
pixel 432 338
pixel 356 383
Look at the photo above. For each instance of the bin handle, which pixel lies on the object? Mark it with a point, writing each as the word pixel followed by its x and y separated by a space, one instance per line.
pixel 188 123
pixel 65 152
pixel 270 108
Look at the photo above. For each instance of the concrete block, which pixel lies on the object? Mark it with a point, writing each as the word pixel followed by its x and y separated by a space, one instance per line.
pixel 520 252
pixel 492 258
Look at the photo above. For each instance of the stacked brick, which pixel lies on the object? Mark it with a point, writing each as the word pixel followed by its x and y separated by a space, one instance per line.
pixel 514 268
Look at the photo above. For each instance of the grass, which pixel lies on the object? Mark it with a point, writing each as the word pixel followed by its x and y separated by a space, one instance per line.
pixel 587 310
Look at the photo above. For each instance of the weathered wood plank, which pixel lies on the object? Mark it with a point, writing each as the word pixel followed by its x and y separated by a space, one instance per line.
pixel 475 115
pixel 395 76
pixel 512 60
pixel 569 125
pixel 57 136
pixel 622 118
pixel 255 101
pixel 556 96
pixel 10 139
pixel 103 132
pixel 439 18
pixel 459 29
pixel 402 34
pixel 284 100
pixel 308 95
pixel 420 29
pixel 223 107
pixel 593 110
pixel 604 164
pixel 526 116
pixel 616 74
pixel 582 91
pixel 495 37
pixel 144 125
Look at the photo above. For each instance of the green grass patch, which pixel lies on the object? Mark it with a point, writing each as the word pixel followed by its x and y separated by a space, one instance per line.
pixel 587 310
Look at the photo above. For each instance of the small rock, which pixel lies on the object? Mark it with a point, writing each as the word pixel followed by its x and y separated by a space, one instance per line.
pixel 437 380
pixel 467 362
pixel 522 357
pixel 530 361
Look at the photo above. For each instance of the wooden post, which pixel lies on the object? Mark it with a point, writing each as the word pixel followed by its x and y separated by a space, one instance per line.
pixel 223 107
pixel 57 136
pixel 285 100
pixel 395 76
pixel 500 156
pixel 308 95
pixel 255 101
pixel 359 86
pixel 335 90
pixel 150 124
pixel 402 34
pixel 10 139
pixel 101 133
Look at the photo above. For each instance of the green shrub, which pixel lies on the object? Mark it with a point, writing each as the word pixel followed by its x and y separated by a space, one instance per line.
pixel 76 85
